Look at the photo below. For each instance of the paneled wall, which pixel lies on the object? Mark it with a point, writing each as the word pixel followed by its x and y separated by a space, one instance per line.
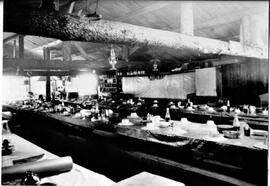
pixel 242 83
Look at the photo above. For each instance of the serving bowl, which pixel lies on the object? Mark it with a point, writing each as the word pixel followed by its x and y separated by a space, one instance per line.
pixel 222 128
pixel 163 124
pixel 232 134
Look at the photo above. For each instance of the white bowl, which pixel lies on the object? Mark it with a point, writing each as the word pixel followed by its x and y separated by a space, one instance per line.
pixel 184 120
pixel 210 122
pixel 163 124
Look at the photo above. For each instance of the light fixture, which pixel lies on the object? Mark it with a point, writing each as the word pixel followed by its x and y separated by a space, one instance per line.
pixel 155 74
pixel 112 58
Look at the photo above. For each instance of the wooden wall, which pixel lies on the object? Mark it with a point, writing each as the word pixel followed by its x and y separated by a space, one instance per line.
pixel 243 82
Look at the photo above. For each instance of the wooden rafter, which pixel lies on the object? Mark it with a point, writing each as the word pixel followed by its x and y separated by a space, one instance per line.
pixel 82 51
pixel 14 36
pixel 32 64
pixel 224 18
pixel 141 11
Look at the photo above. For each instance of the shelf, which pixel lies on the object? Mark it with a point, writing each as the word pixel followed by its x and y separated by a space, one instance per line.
pixel 110 84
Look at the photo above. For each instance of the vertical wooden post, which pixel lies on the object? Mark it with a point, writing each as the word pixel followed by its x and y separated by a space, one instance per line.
pixel 66 50
pixel 219 81
pixel 186 18
pixel 254 31
pixel 14 48
pixel 21 46
pixel 125 53
pixel 46 55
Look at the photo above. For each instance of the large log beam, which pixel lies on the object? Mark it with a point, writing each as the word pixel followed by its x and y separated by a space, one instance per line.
pixel 67 27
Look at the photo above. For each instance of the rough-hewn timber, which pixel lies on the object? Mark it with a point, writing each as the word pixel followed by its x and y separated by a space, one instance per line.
pixel 67 27
pixel 33 64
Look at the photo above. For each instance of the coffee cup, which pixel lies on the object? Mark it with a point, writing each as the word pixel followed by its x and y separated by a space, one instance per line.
pixel 184 120
pixel 125 121
pixel 210 122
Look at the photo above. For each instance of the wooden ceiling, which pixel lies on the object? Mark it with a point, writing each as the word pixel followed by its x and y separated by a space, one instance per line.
pixel 212 19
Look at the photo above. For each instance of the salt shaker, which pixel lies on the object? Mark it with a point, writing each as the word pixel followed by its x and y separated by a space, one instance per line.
pixel 30 179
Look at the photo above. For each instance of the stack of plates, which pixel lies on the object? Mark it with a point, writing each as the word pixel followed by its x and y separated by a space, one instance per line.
pixel 258 134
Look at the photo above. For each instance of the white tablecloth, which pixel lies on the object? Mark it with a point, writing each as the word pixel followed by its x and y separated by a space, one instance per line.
pixel 77 176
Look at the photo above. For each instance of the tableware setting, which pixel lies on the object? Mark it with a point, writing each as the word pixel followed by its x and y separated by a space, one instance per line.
pixel 164 124
pixel 134 118
pixel 150 126
pixel 210 109
pixel 125 122
pixel 190 108
pixel 222 128
pixel 231 134
pixel 184 121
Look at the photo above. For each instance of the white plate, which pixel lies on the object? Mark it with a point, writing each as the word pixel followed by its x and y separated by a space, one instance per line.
pixel 150 128
pixel 164 124
pixel 259 132
pixel 126 123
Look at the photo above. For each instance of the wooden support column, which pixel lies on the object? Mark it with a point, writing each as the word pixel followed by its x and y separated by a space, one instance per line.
pixel 46 55
pixel 186 18
pixel 125 53
pixel 66 51
pixel 254 31
pixel 14 48
pixel 21 46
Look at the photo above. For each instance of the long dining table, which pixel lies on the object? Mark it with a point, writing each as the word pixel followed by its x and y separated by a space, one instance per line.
pixel 193 152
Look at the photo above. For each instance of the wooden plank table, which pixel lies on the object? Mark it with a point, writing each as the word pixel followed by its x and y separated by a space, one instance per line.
pixel 241 156
pixel 192 131
pixel 238 158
